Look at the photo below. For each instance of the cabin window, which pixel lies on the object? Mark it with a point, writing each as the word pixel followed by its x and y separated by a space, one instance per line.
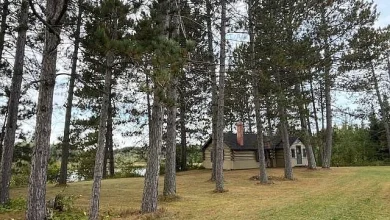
pixel 304 152
pixel 293 153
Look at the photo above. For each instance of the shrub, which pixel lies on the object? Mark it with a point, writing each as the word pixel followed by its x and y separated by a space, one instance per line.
pixel 17 204
pixel 53 172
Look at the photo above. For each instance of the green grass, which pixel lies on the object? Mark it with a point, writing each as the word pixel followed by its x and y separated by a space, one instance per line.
pixel 338 193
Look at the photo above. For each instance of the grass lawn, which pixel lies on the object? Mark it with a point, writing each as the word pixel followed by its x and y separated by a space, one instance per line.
pixel 338 193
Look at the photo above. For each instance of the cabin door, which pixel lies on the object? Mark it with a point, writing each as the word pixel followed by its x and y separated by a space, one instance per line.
pixel 299 155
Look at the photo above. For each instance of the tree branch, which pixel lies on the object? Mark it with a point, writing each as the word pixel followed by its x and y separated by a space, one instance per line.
pixel 51 29
pixel 63 11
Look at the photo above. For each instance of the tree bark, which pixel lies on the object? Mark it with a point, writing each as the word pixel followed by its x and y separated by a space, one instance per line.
pixel 69 105
pixel 327 156
pixel 214 94
pixel 170 160
pixel 288 172
pixel 172 30
pixel 382 105
pixel 256 78
pixel 327 153
pixel 269 116
pixel 99 160
pixel 183 132
pixel 319 140
pixel 150 192
pixel 219 184
pixel 304 126
pixel 2 132
pixel 105 157
pixel 13 104
pixel 110 141
pixel 3 26
pixel 36 205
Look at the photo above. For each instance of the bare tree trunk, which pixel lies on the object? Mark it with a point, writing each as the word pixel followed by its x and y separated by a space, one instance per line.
pixel 288 172
pixel 13 104
pixel 108 149
pixel 250 121
pixel 105 158
pixel 149 106
pixel 150 193
pixel 69 105
pixel 214 94
pixel 319 140
pixel 269 115
pixel 328 106
pixel 183 132
pixel 3 26
pixel 99 160
pixel 36 205
pixel 170 160
pixel 172 30
pixel 256 78
pixel 110 141
pixel 382 105
pixel 2 132
pixel 219 184
pixel 307 136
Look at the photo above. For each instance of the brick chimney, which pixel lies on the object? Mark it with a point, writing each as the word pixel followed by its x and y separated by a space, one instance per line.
pixel 240 133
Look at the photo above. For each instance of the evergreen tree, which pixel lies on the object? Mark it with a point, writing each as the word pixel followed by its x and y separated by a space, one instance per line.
pixel 54 12
pixel 13 106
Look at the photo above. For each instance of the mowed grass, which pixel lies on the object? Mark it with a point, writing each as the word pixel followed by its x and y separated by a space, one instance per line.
pixel 338 193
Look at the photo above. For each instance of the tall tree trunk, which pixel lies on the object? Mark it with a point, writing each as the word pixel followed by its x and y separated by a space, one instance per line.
pixel 36 205
pixel 214 94
pixel 2 132
pixel 170 161
pixel 149 106
pixel 3 26
pixel 150 192
pixel 105 157
pixel 13 104
pixel 219 185
pixel 110 141
pixel 99 160
pixel 307 136
pixel 172 30
pixel 382 105
pixel 69 105
pixel 256 78
pixel 269 115
pixel 183 132
pixel 288 172
pixel 328 106
pixel 319 140
pixel 250 121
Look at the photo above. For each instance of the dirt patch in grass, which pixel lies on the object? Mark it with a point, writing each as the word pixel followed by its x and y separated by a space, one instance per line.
pixel 171 198
pixel 161 213
pixel 271 178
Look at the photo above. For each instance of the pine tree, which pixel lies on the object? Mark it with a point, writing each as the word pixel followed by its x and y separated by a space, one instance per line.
pixel 36 205
pixel 219 180
pixel 69 102
pixel 13 104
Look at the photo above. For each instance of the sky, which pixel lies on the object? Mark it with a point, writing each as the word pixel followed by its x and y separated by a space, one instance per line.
pixel 342 100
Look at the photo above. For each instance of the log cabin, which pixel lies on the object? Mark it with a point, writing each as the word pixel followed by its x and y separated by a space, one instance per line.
pixel 240 151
